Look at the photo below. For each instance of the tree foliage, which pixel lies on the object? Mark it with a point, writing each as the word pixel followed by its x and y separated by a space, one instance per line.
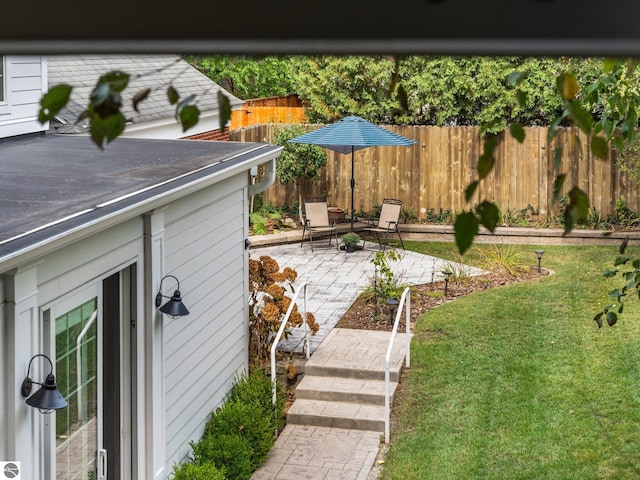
pixel 298 160
pixel 247 77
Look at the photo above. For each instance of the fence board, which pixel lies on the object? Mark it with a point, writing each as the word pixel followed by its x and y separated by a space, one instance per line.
pixel 433 173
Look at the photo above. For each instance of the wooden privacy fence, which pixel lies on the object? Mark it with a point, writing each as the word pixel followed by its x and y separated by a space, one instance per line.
pixel 433 173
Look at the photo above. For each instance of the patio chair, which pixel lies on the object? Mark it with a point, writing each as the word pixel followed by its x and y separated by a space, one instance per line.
pixel 315 220
pixel 388 222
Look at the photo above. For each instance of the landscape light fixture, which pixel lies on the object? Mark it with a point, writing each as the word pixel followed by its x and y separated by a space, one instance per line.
pixel 48 398
pixel 174 307
pixel 446 274
pixel 392 303
pixel 539 254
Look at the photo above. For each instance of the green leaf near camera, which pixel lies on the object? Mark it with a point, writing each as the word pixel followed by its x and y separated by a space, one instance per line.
pixel 53 101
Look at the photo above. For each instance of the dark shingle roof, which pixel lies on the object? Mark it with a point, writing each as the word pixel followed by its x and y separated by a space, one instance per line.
pixel 154 71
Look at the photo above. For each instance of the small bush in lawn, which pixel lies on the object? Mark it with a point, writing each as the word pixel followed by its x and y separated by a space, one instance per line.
pixel 194 471
pixel 231 453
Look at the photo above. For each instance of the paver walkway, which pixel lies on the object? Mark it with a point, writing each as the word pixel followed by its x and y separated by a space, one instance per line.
pixel 335 279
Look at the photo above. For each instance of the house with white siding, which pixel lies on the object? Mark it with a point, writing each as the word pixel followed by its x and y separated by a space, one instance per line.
pixel 90 239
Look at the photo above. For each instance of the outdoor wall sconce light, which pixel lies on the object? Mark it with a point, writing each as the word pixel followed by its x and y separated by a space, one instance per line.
pixel 174 307
pixel 48 398
pixel 446 274
pixel 539 254
pixel 392 303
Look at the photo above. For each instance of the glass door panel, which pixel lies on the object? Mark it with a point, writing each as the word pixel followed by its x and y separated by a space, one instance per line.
pixel 78 367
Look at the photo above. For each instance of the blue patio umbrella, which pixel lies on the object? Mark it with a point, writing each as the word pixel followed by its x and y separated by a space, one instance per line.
pixel 351 134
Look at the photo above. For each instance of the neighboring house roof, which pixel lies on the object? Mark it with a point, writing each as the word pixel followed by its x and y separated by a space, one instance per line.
pixel 52 186
pixel 154 71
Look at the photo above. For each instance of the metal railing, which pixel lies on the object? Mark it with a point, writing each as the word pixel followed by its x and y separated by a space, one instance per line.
pixel 276 340
pixel 406 296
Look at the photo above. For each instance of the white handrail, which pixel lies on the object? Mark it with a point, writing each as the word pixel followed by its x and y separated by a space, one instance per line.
pixel 302 287
pixel 387 388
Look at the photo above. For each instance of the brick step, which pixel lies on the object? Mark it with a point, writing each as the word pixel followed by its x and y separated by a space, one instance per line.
pixel 342 389
pixel 322 413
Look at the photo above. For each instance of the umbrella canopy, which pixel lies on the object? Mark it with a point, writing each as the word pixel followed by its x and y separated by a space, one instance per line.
pixel 351 134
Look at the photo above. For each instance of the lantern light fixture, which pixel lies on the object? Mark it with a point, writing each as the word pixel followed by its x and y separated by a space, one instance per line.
pixel 48 398
pixel 174 307
pixel 539 254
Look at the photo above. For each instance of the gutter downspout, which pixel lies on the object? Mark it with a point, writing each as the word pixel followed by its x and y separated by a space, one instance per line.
pixel 267 181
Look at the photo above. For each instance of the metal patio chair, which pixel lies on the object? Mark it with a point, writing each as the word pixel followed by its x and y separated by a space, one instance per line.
pixel 315 220
pixel 387 223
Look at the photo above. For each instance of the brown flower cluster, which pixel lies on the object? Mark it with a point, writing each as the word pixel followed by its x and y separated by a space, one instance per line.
pixel 269 304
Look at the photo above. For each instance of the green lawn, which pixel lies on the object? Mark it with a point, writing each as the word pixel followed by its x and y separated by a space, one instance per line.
pixel 517 382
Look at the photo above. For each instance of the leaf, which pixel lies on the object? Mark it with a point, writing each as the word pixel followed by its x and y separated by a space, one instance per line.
pixel 618 142
pixel 99 94
pixel 600 148
pixel 225 109
pixel 189 116
pixel 489 215
pixel 580 117
pixel 108 128
pixel 402 98
pixel 521 98
pixel 514 78
pixel 485 165
pixel 621 260
pixel 557 157
pixel 612 318
pixel 139 97
pixel 558 183
pixel 517 132
pixel 598 319
pixel 466 228
pixel 172 95
pixel 577 210
pixel 53 101
pixel 116 80
pixel 486 160
pixel 568 86
pixel 470 190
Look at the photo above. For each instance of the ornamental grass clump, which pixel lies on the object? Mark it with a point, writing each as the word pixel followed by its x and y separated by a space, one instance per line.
pixel 269 301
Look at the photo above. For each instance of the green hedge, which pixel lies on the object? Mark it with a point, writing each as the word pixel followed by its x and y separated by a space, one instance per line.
pixel 239 434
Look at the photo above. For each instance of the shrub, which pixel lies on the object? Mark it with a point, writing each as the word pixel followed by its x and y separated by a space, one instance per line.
pixel 238 435
pixel 196 471
pixel 233 454
pixel 247 421
pixel 268 304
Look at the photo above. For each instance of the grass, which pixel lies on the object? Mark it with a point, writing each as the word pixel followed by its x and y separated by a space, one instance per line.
pixel 517 382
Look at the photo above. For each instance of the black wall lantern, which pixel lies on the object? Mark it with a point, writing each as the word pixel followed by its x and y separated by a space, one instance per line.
pixel 174 307
pixel 48 398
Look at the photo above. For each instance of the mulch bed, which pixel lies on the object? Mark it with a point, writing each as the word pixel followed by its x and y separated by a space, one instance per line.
pixel 367 316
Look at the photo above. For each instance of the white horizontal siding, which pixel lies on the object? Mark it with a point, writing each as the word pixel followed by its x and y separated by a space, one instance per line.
pixel 25 82
pixel 205 351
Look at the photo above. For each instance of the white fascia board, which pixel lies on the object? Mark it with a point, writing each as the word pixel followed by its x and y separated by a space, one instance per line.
pixel 170 128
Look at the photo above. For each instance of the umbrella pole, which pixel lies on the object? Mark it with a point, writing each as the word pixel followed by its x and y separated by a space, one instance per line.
pixel 353 184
